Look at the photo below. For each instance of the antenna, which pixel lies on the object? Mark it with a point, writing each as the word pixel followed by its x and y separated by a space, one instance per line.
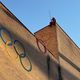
pixel 50 14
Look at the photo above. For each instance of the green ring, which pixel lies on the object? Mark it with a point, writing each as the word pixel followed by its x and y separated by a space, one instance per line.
pixel 23 65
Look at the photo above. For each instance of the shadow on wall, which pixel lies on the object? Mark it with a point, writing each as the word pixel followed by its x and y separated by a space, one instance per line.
pixel 39 59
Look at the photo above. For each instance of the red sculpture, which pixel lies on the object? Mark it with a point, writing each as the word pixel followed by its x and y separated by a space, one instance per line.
pixel 53 22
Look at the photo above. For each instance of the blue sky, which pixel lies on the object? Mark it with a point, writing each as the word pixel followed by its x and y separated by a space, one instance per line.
pixel 35 14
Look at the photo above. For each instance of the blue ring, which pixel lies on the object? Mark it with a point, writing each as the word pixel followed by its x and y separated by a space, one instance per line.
pixel 2 29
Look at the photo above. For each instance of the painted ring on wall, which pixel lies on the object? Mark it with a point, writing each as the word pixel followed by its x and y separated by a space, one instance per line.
pixel 0 41
pixel 26 63
pixel 39 41
pixel 10 47
pixel 19 48
pixel 5 36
